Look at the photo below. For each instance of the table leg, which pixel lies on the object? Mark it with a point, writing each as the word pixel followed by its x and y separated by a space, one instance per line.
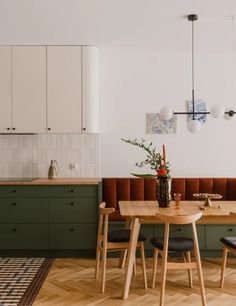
pixel 135 227
pixel 124 253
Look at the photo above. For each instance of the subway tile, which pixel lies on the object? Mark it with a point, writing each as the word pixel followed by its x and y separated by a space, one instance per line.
pixel 30 155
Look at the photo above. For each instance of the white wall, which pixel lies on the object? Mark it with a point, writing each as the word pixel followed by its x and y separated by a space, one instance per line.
pixel 145 64
pixel 139 80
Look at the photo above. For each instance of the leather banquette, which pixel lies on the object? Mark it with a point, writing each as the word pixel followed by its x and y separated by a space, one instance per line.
pixel 117 189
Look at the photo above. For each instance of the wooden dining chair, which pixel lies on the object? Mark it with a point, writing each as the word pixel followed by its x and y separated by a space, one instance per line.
pixel 117 240
pixel 182 244
pixel 229 246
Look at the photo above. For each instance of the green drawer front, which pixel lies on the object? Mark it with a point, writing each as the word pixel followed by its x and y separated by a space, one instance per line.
pixel 73 210
pixel 215 232
pixel 88 191
pixel 23 236
pixel 23 191
pixel 72 236
pixel 182 231
pixel 23 210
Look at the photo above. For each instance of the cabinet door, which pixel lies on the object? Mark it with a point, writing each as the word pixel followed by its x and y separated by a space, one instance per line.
pixel 215 232
pixel 29 89
pixel 72 210
pixel 72 236
pixel 64 89
pixel 5 89
pixel 90 89
pixel 23 236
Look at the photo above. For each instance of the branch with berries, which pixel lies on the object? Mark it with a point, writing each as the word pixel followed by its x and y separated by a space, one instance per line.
pixel 156 161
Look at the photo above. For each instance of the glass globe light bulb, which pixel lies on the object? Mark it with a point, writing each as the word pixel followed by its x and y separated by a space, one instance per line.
pixel 165 113
pixel 217 111
pixel 194 125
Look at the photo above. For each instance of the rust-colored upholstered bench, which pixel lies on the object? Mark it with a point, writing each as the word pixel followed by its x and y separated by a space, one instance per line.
pixel 117 189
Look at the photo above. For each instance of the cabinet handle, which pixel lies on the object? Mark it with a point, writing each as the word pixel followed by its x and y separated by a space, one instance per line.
pixel 14 229
pixel 72 203
pixel 14 204
pixel 84 129
pixel 71 229
pixel 13 129
pixel 72 190
pixel 14 191
pixel 8 129
pixel 178 230
pixel 229 230
pixel 49 129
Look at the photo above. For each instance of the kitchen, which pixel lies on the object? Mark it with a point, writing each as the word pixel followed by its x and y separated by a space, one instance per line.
pixel 75 78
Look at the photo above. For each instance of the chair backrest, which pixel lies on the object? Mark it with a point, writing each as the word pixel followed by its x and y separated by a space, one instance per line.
pixel 104 212
pixel 179 219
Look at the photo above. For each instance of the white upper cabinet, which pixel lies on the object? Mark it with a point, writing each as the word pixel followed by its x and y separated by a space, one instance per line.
pixel 72 89
pixel 90 89
pixel 50 89
pixel 5 89
pixel 29 89
pixel 64 89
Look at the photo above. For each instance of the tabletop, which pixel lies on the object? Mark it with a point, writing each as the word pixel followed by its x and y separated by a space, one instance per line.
pixel 220 213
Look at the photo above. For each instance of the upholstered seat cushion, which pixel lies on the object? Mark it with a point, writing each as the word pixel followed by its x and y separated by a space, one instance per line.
pixel 123 235
pixel 229 241
pixel 175 244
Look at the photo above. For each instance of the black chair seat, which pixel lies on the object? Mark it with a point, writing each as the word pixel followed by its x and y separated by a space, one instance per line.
pixel 180 244
pixel 122 235
pixel 229 241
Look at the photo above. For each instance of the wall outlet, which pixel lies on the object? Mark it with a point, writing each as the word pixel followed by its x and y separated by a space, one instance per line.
pixel 74 166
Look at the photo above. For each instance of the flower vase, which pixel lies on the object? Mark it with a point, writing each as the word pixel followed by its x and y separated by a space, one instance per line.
pixel 163 191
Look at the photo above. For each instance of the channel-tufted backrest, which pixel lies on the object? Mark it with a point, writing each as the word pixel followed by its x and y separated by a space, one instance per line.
pixel 117 189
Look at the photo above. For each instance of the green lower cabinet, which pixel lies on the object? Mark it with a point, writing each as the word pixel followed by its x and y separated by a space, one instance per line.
pixel 24 210
pixel 73 210
pixel 24 191
pixel 215 232
pixel 72 236
pixel 85 191
pixel 24 236
pixel 182 231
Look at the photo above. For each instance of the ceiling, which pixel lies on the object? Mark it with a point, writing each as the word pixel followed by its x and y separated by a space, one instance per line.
pixel 161 24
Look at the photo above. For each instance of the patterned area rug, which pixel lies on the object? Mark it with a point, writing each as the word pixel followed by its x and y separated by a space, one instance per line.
pixel 21 279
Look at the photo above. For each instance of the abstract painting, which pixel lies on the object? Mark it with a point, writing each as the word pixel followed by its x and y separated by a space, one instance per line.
pixel 199 106
pixel 157 126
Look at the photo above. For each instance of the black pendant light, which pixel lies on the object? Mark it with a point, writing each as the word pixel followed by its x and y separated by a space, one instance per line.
pixel 216 112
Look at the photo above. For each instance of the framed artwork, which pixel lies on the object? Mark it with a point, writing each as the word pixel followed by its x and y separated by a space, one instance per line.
pixel 200 106
pixel 157 126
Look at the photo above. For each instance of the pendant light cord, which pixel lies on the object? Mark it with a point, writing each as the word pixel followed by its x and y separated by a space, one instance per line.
pixel 193 101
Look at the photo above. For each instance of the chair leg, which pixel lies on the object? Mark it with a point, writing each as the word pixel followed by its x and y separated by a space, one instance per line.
pixel 134 267
pixel 190 276
pixel 98 255
pixel 224 259
pixel 104 262
pixel 143 264
pixel 155 259
pixel 164 264
pixel 122 259
pixel 199 266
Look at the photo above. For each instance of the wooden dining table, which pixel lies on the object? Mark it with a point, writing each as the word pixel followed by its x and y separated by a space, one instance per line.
pixel 142 212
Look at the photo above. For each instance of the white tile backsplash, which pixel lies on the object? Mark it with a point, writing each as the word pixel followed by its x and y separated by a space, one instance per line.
pixel 30 155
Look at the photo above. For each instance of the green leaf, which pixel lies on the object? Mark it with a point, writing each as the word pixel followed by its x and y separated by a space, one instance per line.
pixel 146 175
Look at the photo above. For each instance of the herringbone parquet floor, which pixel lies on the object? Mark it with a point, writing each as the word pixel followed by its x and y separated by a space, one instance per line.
pixel 71 283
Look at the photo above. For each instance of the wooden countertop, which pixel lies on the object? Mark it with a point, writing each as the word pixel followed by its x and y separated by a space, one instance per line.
pixel 57 181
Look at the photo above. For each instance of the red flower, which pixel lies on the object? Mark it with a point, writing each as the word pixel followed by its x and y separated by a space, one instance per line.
pixel 162 172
